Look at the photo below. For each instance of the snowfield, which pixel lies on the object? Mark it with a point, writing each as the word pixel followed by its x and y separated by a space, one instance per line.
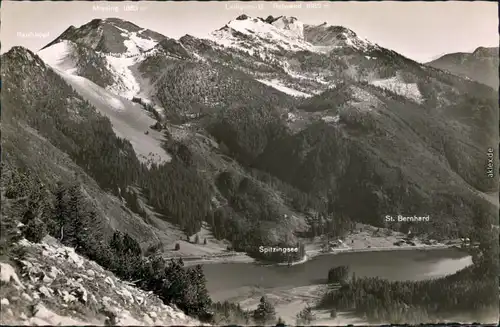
pixel 396 85
pixel 331 119
pixel 95 92
pixel 135 44
pixel 60 56
pixel 144 44
pixel 140 43
pixel 282 88
pixel 129 120
pixel 290 27
pixel 125 83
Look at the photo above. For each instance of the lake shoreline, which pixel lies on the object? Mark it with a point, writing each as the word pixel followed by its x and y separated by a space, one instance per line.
pixel 241 257
pixel 247 283
pixel 363 238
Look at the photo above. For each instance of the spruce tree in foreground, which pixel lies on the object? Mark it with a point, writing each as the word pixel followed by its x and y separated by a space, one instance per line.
pixel 305 316
pixel 265 312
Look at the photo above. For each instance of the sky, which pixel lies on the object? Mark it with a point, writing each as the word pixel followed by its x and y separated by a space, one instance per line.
pixel 421 31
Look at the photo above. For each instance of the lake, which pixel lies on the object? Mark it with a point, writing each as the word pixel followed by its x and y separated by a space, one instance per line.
pixel 228 280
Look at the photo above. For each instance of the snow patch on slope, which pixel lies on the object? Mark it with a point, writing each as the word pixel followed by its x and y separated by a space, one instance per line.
pixel 142 43
pixel 282 88
pixel 97 93
pixel 291 27
pixel 137 45
pixel 362 100
pixel 128 119
pixel 396 85
pixel 322 84
pixel 331 119
pixel 60 56
pixel 125 83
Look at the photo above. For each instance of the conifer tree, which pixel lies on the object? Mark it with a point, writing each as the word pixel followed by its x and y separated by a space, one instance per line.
pixel 305 316
pixel 265 312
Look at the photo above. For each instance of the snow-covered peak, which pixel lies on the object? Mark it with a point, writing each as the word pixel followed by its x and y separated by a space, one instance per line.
pixel 291 26
pixel 252 34
pixel 280 29
pixel 64 57
pixel 111 36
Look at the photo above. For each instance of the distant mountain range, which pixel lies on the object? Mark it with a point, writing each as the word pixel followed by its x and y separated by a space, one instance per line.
pixel 268 130
pixel 480 65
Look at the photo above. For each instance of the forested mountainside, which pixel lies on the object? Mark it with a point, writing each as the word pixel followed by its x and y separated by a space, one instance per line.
pixel 481 65
pixel 329 118
pixel 56 181
pixel 268 131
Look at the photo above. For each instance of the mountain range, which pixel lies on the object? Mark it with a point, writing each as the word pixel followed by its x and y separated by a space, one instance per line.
pixel 265 130
pixel 481 65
